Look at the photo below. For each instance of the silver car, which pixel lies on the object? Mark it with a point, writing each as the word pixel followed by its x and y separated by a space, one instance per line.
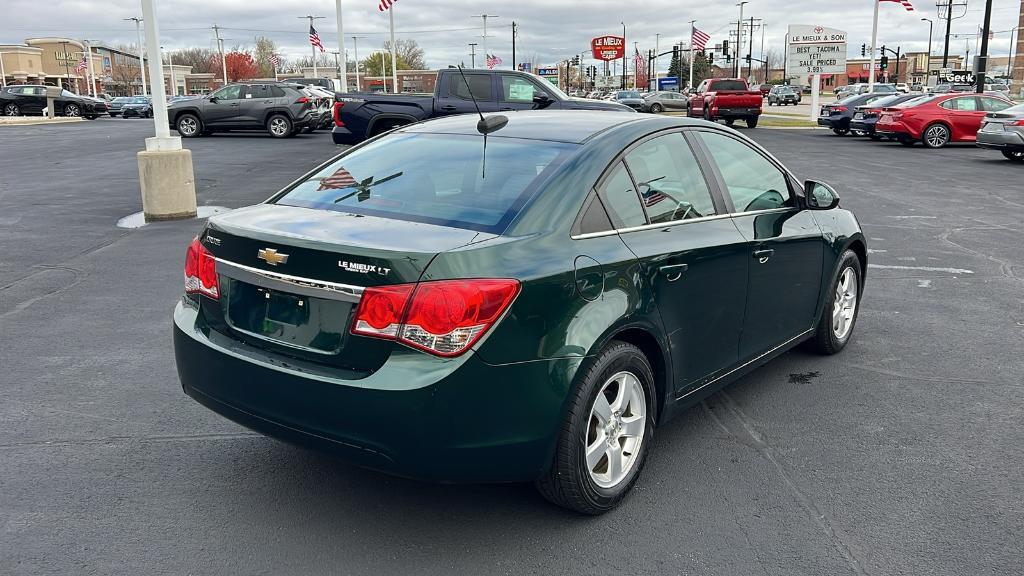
pixel 657 102
pixel 1004 131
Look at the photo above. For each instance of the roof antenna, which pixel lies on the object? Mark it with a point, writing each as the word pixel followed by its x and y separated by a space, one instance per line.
pixel 485 125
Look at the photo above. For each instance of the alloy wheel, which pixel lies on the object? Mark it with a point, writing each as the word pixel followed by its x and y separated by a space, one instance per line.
pixel 656 108
pixel 72 110
pixel 279 126
pixel 936 136
pixel 615 429
pixel 12 110
pixel 188 126
pixel 844 306
pixel 1017 155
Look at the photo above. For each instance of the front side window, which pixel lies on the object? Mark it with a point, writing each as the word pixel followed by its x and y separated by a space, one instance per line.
pixel 434 178
pixel 480 84
pixel 752 181
pixel 229 93
pixel 669 180
pixel 516 89
pixel 620 199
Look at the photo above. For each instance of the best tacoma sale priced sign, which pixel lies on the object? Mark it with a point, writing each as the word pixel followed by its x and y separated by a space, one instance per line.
pixel 815 50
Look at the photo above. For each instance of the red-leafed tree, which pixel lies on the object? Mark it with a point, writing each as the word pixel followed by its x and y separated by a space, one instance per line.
pixel 241 66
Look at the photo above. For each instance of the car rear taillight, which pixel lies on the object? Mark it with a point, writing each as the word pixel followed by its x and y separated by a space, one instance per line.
pixel 1017 123
pixel 839 109
pixel 443 317
pixel 337 114
pixel 302 100
pixel 201 271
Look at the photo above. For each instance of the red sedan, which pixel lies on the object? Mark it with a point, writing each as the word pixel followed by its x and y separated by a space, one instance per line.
pixel 938 120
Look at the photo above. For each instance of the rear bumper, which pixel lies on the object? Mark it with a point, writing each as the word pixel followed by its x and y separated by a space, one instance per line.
pixel 1007 140
pixel 459 420
pixel 866 126
pixel 343 135
pixel 736 112
pixel 839 123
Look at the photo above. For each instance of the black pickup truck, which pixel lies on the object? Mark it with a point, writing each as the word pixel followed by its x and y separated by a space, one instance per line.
pixel 359 116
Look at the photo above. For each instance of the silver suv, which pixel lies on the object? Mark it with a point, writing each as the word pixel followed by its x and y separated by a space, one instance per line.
pixel 282 109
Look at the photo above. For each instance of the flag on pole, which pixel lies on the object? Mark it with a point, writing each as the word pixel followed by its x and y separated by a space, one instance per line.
pixel 493 61
pixel 699 39
pixel 82 65
pixel 385 4
pixel 314 38
pixel 906 4
pixel 275 61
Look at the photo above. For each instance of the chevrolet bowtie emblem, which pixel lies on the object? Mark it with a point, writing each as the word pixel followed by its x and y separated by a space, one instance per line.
pixel 271 256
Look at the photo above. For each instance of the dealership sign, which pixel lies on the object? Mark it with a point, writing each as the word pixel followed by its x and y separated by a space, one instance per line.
pixel 815 50
pixel 957 76
pixel 608 47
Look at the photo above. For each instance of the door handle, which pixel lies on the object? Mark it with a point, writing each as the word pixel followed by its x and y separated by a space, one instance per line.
pixel 673 272
pixel 504 109
pixel 763 255
pixel 235 105
pixel 448 108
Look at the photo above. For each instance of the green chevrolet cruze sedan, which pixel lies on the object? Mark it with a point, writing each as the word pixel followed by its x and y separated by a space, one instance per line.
pixel 470 301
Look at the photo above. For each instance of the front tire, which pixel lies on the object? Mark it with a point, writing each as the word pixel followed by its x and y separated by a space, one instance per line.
pixel 1016 155
pixel 188 126
pixel 839 315
pixel 606 434
pixel 12 110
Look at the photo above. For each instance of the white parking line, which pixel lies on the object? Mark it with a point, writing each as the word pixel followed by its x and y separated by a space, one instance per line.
pixel 922 268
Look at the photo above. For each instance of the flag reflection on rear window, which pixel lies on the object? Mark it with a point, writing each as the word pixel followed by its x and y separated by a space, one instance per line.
pixel 440 179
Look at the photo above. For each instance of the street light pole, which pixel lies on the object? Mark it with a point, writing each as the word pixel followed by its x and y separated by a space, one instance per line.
pixel 341 49
pixel 220 48
pixel 142 59
pixel 472 54
pixel 312 48
pixel 355 46
pixel 739 40
pixel 928 61
pixel 484 17
pixel 623 55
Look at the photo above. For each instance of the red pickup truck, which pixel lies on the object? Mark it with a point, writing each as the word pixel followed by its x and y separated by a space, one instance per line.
pixel 726 98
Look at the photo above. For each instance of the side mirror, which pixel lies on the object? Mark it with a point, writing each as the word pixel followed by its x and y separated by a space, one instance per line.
pixel 213 98
pixel 820 196
pixel 541 98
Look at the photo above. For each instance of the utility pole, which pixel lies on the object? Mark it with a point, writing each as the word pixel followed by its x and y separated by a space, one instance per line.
pixel 654 65
pixel 484 17
pixel 472 54
pixel 874 40
pixel 220 47
pixel 982 57
pixel 764 63
pixel 355 45
pixel 341 48
pixel 313 48
pixel 928 61
pixel 948 6
pixel 739 39
pixel 750 48
pixel 337 64
pixel 514 45
pixel 142 61
pixel 623 55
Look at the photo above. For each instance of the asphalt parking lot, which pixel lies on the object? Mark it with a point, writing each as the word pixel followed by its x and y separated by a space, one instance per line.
pixel 904 454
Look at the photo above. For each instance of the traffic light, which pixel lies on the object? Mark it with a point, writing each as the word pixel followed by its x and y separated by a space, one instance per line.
pixel 747 58
pixel 725 46
pixel 711 58
pixel 863 49
pixel 883 62
pixel 675 53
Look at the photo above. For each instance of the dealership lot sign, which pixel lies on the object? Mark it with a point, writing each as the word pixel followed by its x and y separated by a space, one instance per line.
pixel 608 47
pixel 815 50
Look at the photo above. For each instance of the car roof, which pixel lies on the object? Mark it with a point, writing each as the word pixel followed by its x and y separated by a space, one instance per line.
pixel 575 126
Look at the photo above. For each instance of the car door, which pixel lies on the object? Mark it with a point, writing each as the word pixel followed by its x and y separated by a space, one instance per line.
pixel 697 100
pixel 32 99
pixel 518 93
pixel 692 257
pixel 785 246
pixel 673 101
pixel 965 114
pixel 255 99
pixel 224 107
pixel 457 97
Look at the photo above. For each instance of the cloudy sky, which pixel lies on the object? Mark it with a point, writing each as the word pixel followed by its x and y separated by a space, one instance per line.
pixel 548 31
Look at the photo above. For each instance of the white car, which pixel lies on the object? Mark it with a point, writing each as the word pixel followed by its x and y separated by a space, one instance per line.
pixel 902 88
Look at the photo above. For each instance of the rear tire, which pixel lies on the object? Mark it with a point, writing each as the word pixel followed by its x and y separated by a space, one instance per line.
pixel 907 142
pixel 656 108
pixel 72 110
pixel 935 135
pixel 729 121
pixel 839 315
pixel 874 137
pixel 840 131
pixel 1015 155
pixel 752 122
pixel 279 126
pixel 606 434
pixel 188 125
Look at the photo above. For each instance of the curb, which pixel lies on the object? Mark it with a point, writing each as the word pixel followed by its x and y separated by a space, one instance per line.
pixel 30 121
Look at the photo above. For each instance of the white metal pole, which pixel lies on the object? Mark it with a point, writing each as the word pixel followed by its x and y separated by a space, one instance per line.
pixel 739 40
pixel 815 89
pixel 341 48
pixel 654 68
pixel 874 40
pixel 689 83
pixel 156 73
pixel 383 74
pixel 355 45
pixel 174 85
pixel 394 63
pixel 89 74
pixel 3 75
pixel 142 57
pixel 486 53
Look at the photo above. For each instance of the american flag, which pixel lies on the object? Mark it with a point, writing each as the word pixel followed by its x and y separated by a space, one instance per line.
pixel 275 61
pixel 314 39
pixel 652 197
pixel 385 4
pixel 82 65
pixel 493 61
pixel 906 4
pixel 340 179
pixel 698 39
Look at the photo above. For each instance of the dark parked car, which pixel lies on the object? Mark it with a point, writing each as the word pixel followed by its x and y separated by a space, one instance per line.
pixel 282 109
pixel 115 105
pixel 536 320
pixel 359 116
pixel 1004 131
pixel 865 116
pixel 657 102
pixel 783 95
pixel 29 100
pixel 838 116
pixel 137 107
pixel 765 89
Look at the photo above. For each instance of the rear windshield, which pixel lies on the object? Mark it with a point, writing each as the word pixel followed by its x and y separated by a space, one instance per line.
pixel 728 85
pixel 433 178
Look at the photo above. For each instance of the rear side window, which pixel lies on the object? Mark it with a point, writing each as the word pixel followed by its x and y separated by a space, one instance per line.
pixel 669 180
pixel 276 92
pixel 993 104
pixel 434 178
pixel 480 84
pixel 258 91
pixel 621 200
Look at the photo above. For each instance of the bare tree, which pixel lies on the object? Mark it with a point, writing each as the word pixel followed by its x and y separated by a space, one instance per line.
pixel 201 60
pixel 409 55
pixel 773 58
pixel 265 48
